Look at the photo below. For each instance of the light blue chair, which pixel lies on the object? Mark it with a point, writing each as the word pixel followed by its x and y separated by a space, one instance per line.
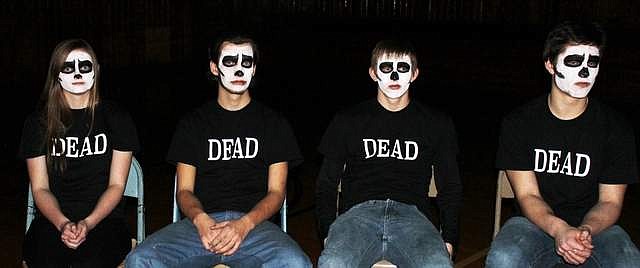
pixel 134 188
pixel 177 216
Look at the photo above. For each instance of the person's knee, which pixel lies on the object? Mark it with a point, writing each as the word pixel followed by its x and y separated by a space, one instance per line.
pixel 141 256
pixel 505 256
pixel 330 259
pixel 294 257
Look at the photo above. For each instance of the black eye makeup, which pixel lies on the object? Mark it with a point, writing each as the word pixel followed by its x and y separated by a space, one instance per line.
pixel 229 61
pixel 403 67
pixel 85 66
pixel 573 60
pixel 593 61
pixel 68 67
pixel 386 67
pixel 247 61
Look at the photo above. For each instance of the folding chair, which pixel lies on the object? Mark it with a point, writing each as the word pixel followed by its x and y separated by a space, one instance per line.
pixel 134 188
pixel 503 191
pixel 176 216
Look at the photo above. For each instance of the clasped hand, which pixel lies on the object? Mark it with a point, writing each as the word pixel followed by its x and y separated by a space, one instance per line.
pixel 223 237
pixel 73 234
pixel 574 245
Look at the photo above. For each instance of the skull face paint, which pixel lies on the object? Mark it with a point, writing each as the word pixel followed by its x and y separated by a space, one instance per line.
pixel 236 67
pixel 394 75
pixel 77 74
pixel 576 70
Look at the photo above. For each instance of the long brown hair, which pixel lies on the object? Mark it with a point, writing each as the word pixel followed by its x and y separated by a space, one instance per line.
pixel 56 110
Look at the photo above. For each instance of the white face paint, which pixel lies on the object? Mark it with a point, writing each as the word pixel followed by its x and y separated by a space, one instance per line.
pixel 394 75
pixel 77 74
pixel 236 67
pixel 576 70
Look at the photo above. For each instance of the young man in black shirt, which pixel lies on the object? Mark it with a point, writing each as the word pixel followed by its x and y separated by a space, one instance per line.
pixel 383 151
pixel 569 159
pixel 232 158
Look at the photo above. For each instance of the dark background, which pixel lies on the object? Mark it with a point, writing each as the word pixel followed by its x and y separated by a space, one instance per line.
pixel 478 59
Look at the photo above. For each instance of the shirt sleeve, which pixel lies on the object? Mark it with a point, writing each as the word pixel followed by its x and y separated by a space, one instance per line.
pixel 281 144
pixel 448 183
pixel 620 154
pixel 32 140
pixel 512 151
pixel 183 144
pixel 124 135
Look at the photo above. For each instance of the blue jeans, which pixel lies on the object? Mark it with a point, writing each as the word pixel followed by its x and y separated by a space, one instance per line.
pixel 179 245
pixel 521 243
pixel 383 229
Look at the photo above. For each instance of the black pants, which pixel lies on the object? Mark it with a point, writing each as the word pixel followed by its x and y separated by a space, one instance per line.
pixel 105 246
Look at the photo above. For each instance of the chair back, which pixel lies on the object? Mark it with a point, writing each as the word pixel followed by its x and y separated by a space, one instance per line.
pixel 503 191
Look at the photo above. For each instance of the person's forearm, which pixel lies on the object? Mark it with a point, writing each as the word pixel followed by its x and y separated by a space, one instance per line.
pixel 601 216
pixel 538 212
pixel 265 209
pixel 189 204
pixel 107 202
pixel 326 194
pixel 48 205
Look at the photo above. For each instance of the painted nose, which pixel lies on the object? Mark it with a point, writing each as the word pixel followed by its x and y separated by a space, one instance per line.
pixel 239 73
pixel 394 76
pixel 77 76
pixel 584 73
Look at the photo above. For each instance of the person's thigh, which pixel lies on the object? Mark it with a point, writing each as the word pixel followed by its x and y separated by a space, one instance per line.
pixel 520 243
pixel 43 247
pixel 355 237
pixel 412 240
pixel 267 246
pixel 105 246
pixel 171 246
pixel 613 248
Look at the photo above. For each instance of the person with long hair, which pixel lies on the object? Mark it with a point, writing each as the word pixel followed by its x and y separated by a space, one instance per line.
pixel 78 149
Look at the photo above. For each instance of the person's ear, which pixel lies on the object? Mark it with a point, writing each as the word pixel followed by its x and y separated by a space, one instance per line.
pixel 549 66
pixel 415 74
pixel 213 67
pixel 373 74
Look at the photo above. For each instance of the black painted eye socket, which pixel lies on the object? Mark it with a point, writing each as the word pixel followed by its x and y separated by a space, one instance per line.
pixel 68 67
pixel 386 67
pixel 573 60
pixel 85 66
pixel 247 61
pixel 403 67
pixel 593 61
pixel 229 61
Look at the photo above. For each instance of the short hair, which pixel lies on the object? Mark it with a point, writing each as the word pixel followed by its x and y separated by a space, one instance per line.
pixel 216 47
pixel 573 33
pixel 394 48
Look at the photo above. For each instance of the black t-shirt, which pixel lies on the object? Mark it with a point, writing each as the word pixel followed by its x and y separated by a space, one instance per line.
pixel 87 152
pixel 232 152
pixel 389 155
pixel 569 157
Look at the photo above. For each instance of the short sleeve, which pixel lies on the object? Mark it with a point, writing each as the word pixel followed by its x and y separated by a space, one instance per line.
pixel 32 140
pixel 281 144
pixel 512 151
pixel 333 144
pixel 124 135
pixel 183 144
pixel 620 153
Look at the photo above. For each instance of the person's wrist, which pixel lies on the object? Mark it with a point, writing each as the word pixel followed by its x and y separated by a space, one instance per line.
pixel 62 225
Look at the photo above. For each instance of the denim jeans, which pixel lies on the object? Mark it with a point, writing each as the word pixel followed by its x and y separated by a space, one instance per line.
pixel 383 229
pixel 521 243
pixel 179 245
